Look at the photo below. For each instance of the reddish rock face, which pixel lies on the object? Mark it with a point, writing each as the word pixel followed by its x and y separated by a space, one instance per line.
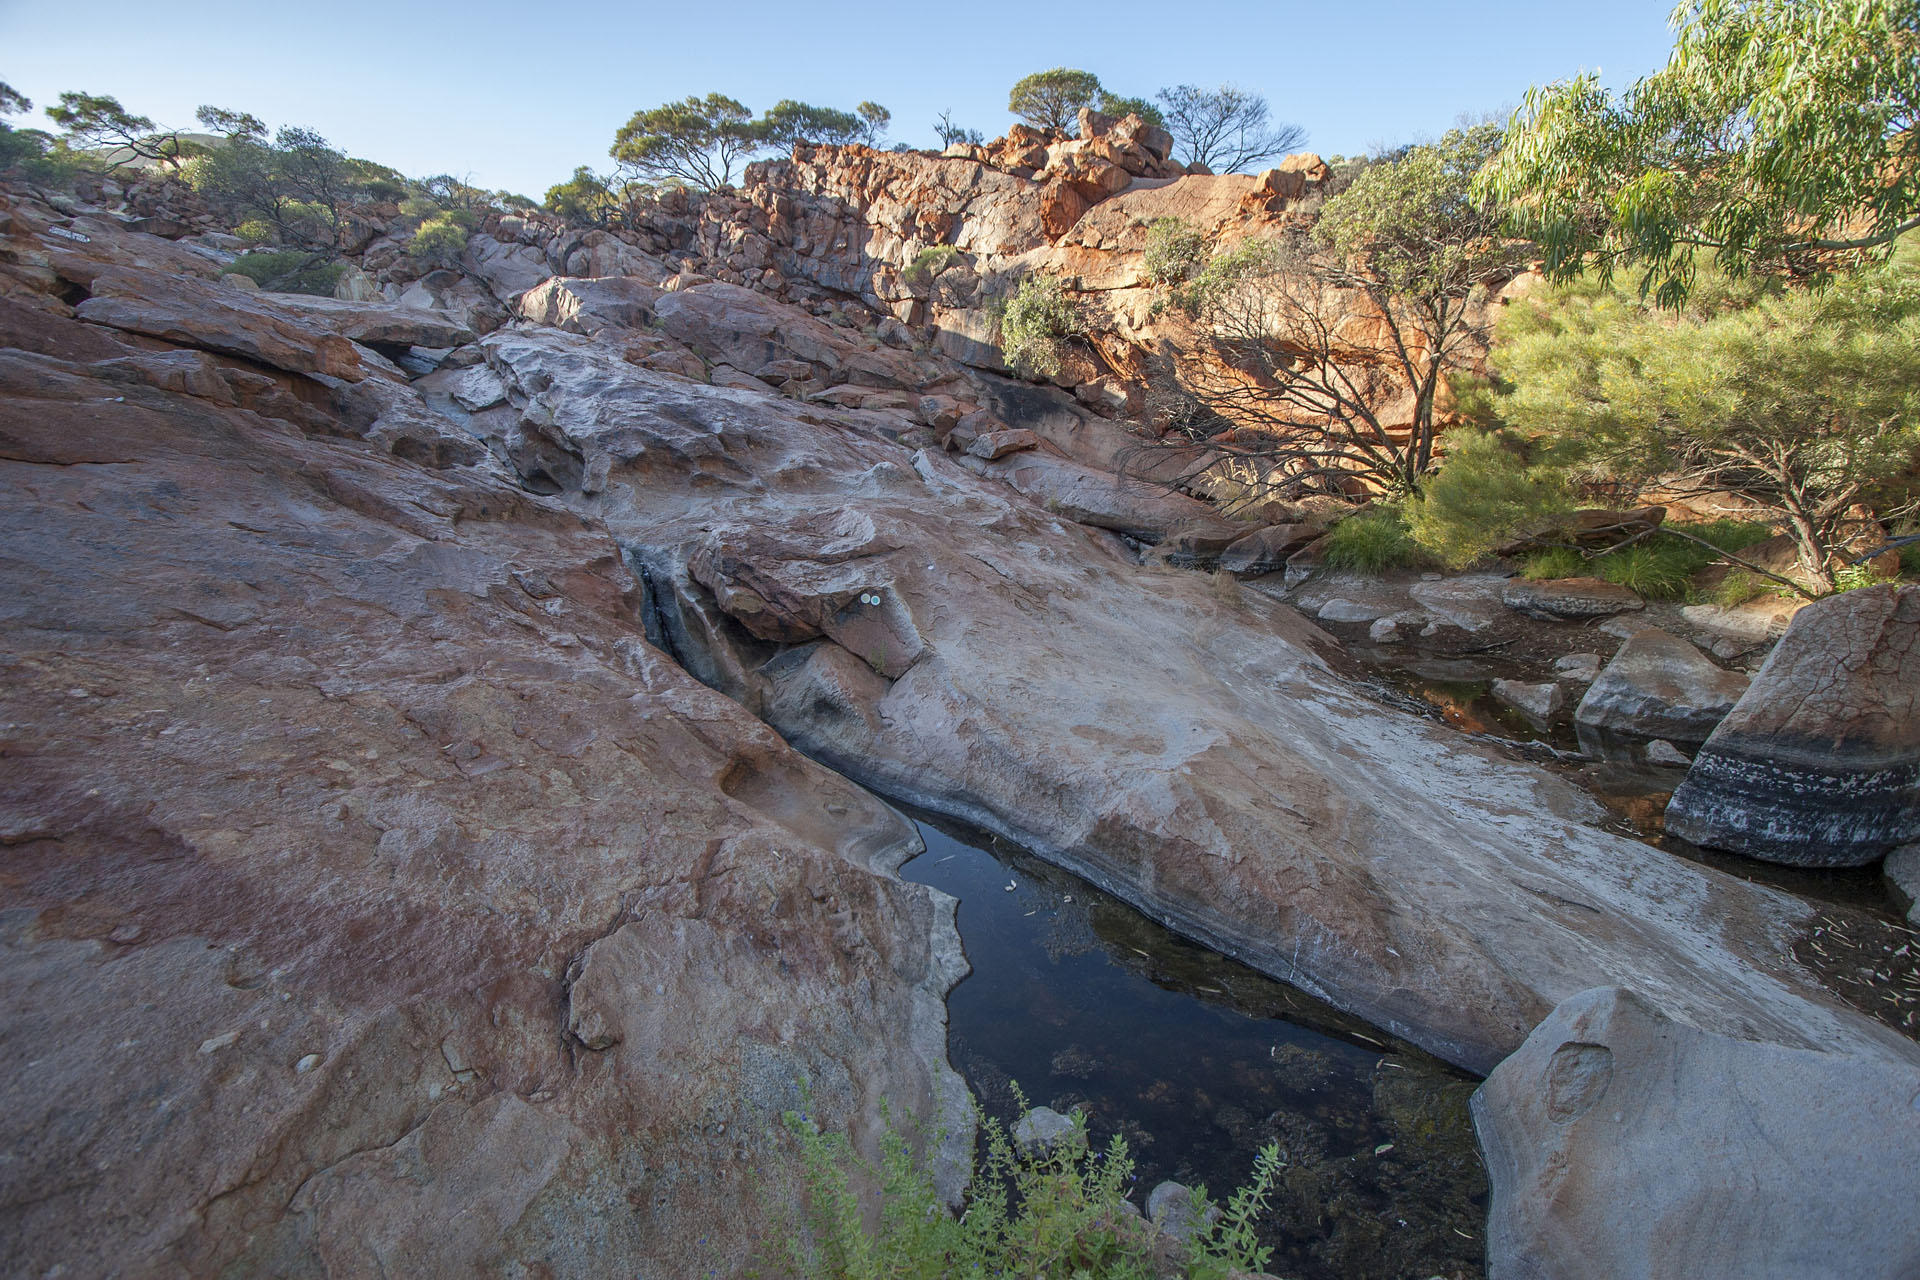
pixel 376 898
pixel 1819 763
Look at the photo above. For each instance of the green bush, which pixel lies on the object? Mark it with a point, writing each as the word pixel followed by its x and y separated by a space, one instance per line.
pixel 1038 320
pixel 1373 542
pixel 439 239
pixel 1658 570
pixel 1483 495
pixel 1910 558
pixel 1060 1215
pixel 1556 562
pixel 930 262
pixel 1175 252
pixel 290 271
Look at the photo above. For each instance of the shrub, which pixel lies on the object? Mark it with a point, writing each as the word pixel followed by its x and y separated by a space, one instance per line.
pixel 439 239
pixel 1061 1214
pixel 1483 495
pixel 1657 569
pixel 930 262
pixel 1556 562
pixel 1175 252
pixel 1910 558
pixel 1039 318
pixel 1373 542
pixel 290 271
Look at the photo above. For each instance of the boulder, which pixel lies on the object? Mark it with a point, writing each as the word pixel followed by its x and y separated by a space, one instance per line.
pixel 1266 550
pixel 1570 598
pixel 1579 668
pixel 1043 1129
pixel 1539 703
pixel 1621 1142
pixel 1175 1211
pixel 1819 763
pixel 508 269
pixel 588 305
pixel 998 444
pixel 1657 686
pixel 1903 873
pixel 1666 755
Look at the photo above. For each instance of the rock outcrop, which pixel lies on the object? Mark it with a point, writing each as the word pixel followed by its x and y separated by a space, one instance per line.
pixel 1818 764
pixel 953 644
pixel 379 901
pixel 1621 1142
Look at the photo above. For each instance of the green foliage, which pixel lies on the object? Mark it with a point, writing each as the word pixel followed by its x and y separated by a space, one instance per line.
pixel 1225 129
pixel 290 271
pixel 696 142
pixel 1658 570
pixel 874 120
pixel 1855 576
pixel 1910 559
pixel 12 101
pixel 586 197
pixel 232 124
pixel 1416 224
pixel 1804 403
pixel 1484 493
pixel 297 185
pixel 97 122
pixel 788 122
pixel 1057 1216
pixel 930 262
pixel 440 239
pixel 1780 133
pixel 1556 562
pixel 1115 105
pixel 1038 320
pixel 1373 542
pixel 1052 99
pixel 1175 252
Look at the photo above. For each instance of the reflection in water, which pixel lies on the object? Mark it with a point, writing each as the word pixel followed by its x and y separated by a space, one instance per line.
pixel 1197 1061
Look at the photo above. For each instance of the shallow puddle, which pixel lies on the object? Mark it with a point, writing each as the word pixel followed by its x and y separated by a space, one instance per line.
pixel 1197 1061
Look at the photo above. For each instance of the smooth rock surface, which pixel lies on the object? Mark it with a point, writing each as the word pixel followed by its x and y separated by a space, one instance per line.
pixel 1199 756
pixel 1658 686
pixel 1539 703
pixel 1625 1145
pixel 1819 763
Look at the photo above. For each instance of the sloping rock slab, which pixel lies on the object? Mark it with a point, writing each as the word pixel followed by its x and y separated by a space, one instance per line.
pixel 1658 686
pixel 1622 1143
pixel 1818 765
pixel 378 901
pixel 1199 755
pixel 194 313
pixel 378 324
pixel 1143 511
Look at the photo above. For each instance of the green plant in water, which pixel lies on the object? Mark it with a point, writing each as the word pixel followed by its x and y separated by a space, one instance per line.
pixel 1373 542
pixel 1061 1215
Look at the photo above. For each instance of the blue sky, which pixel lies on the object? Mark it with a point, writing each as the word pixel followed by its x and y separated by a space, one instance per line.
pixel 514 95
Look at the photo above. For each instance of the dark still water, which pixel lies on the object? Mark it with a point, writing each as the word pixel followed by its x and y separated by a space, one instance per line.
pixel 1197 1061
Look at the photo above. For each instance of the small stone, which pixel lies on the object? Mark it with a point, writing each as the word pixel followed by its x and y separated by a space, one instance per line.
pixel 1539 703
pixel 1662 752
pixel 1043 1129
pixel 1171 1208
pixel 307 1063
pixel 1579 668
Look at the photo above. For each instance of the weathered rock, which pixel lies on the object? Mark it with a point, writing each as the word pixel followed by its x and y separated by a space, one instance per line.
pixel 1043 1129
pixel 729 324
pixel 1664 753
pixel 1658 686
pixel 1579 668
pixel 508 269
pixel 998 444
pixel 1819 763
pixel 1196 755
pixel 378 900
pixel 1539 703
pixel 1620 1142
pixel 1172 1209
pixel 191 312
pixel 588 305
pixel 377 324
pixel 1266 550
pixel 1570 598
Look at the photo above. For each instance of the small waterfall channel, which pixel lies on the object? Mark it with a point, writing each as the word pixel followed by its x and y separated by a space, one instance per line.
pixel 1197 1061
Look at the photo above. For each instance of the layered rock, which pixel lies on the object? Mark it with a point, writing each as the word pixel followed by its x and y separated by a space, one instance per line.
pixel 1622 1142
pixel 1819 763
pixel 379 901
